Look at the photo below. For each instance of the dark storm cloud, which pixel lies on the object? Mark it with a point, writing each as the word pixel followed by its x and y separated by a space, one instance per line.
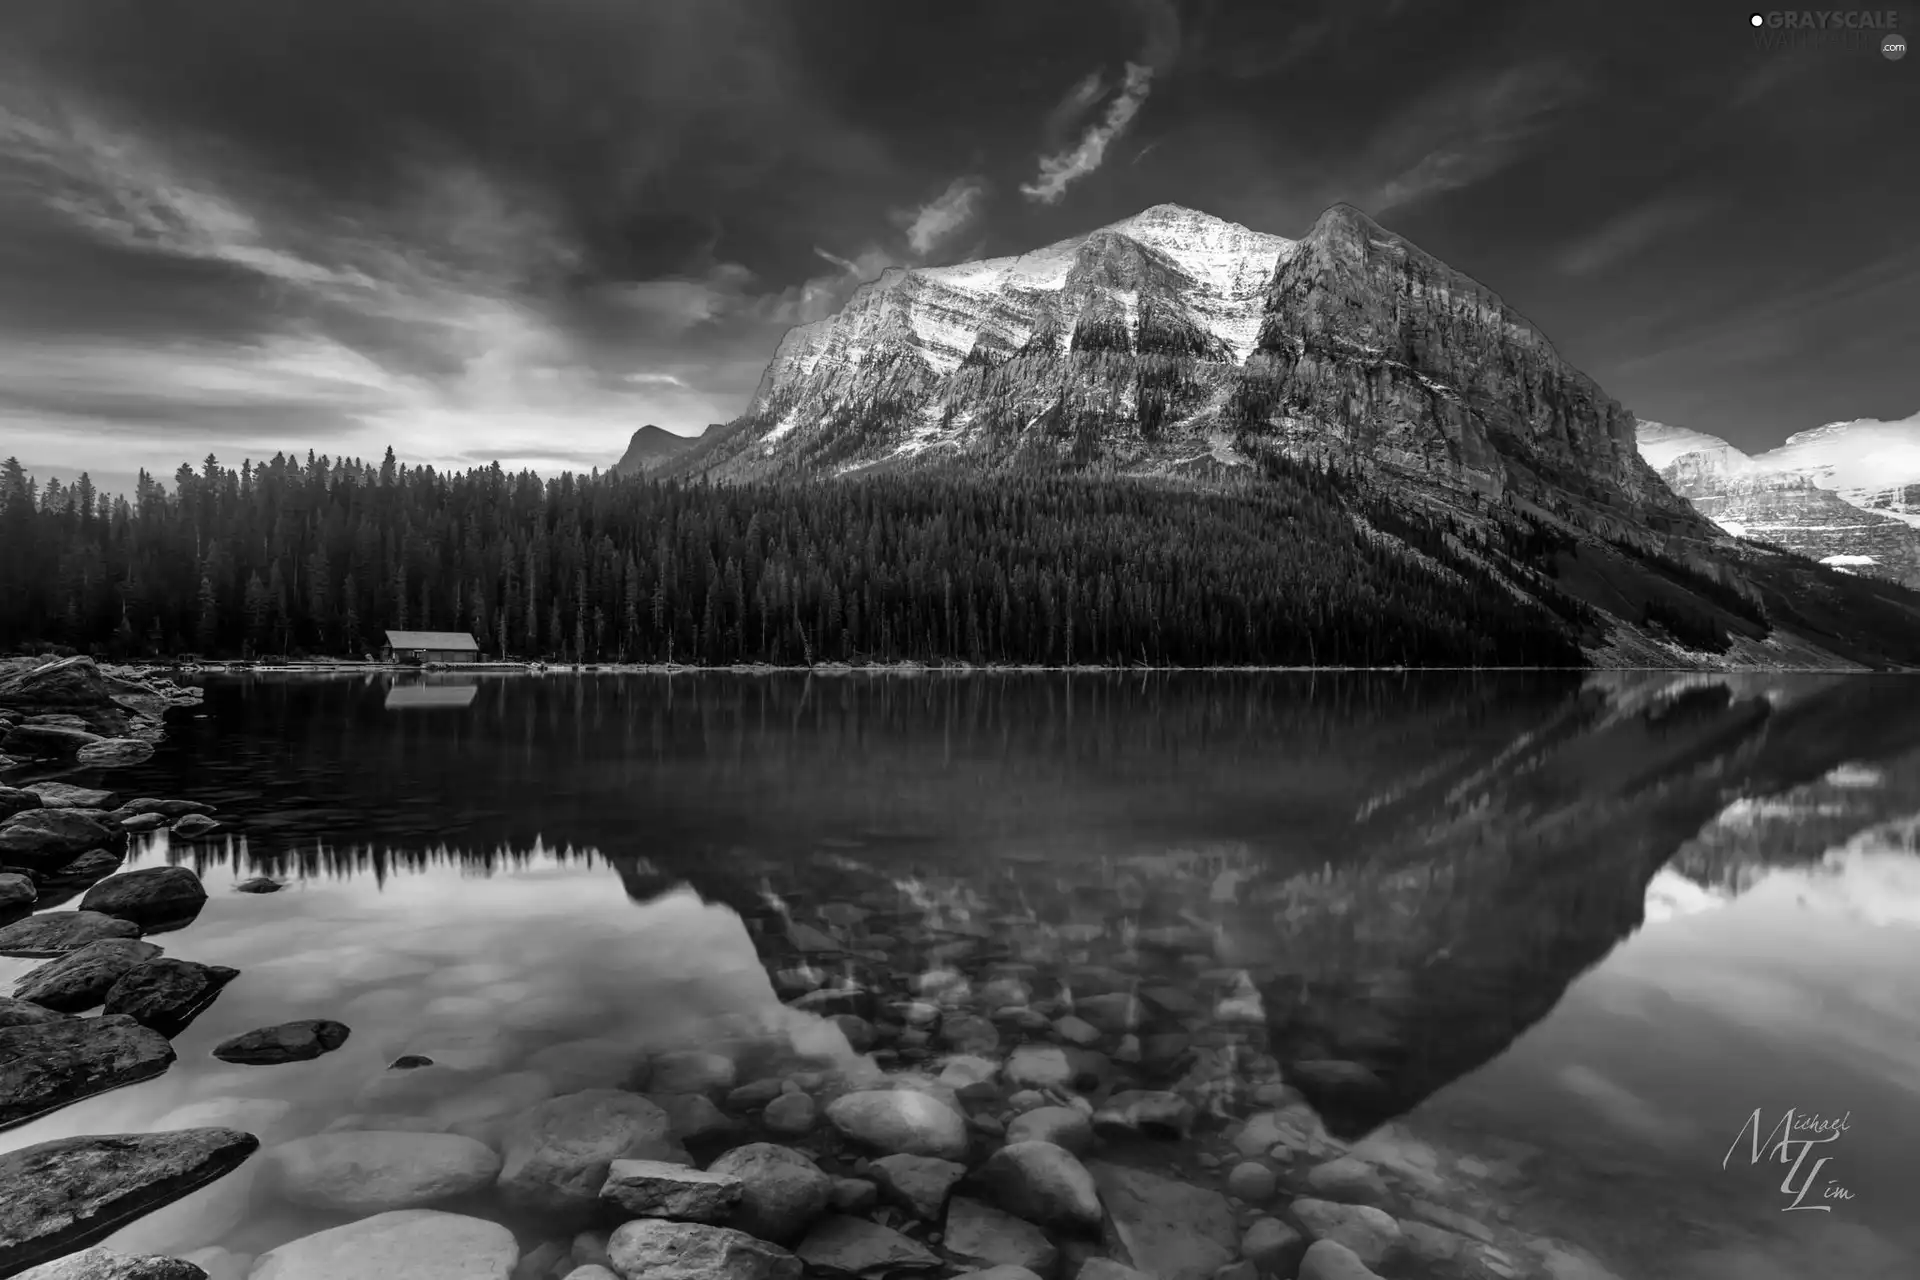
pixel 474 225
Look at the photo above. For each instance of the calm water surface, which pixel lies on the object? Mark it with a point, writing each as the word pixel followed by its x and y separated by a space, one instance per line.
pixel 1579 929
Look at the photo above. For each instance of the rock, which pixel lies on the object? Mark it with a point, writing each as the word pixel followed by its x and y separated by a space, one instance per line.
pixel 573 1065
pixel 692 1072
pixel 73 682
pixel 50 742
pixel 590 1272
pixel 1062 1126
pixel 1452 1220
pixel 1349 1180
pixel 1252 1181
pixel 194 825
pixel 1108 1269
pixel 106 1264
pixel 64 795
pixel 169 809
pixel 1431 1248
pixel 790 1114
pixel 286 1042
pixel 1021 1273
pixel 969 1034
pixel 1330 1260
pixel 543 1261
pixel 47 1065
pixel 1116 1013
pixel 557 1153
pixel 980 1235
pixel 858 1031
pixel 1331 1079
pixel 1145 1113
pixel 757 1094
pixel 1043 1183
pixel 656 1189
pixel 259 884
pixel 1294 1127
pixel 17 893
pixel 68 1193
pixel 71 876
pixel 21 1013
pixel 1272 1245
pixel 148 896
pixel 81 979
pixel 1049 1066
pixel 1170 1229
pixel 848 1246
pixel 419 1244
pixel 918 1184
pixel 481 1111
pixel 1371 1233
pixel 167 994
pixel 111 753
pixel 138 822
pixel 660 1250
pixel 362 1173
pixel 13 800
pixel 692 1117
pixel 901 1122
pixel 782 1190
pixel 854 1195
pixel 41 839
pixel 1077 1031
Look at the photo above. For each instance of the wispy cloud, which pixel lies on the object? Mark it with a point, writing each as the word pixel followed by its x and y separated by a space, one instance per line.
pixel 1624 235
pixel 946 213
pixel 1062 169
pixel 1468 129
pixel 364 337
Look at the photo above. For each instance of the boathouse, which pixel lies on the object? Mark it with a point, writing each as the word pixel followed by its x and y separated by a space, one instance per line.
pixel 431 646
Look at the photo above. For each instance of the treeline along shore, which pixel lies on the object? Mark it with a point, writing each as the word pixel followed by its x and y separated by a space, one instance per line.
pixel 321 557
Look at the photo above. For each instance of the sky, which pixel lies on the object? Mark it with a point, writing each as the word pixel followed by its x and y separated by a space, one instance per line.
pixel 481 230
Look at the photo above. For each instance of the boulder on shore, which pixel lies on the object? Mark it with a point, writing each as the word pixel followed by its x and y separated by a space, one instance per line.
pixel 56 933
pixel 106 1264
pixel 63 1195
pixel 782 1190
pixel 417 1244
pixel 14 800
pixel 148 896
pixel 167 994
pixel 81 979
pixel 42 839
pixel 901 1122
pixel 285 1042
pixel 360 1172
pixel 556 1155
pixel 661 1250
pixel 21 1013
pixel 47 1065
pixel 657 1189
pixel 64 795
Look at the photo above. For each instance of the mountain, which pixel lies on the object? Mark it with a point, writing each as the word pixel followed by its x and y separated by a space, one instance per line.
pixel 1846 494
pixel 649 447
pixel 1398 401
pixel 1173 340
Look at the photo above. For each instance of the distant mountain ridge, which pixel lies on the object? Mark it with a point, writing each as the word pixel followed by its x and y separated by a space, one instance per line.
pixel 1847 493
pixel 649 447
pixel 1400 401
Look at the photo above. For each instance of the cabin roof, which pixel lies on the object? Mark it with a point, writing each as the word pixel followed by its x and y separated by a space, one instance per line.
pixel 431 640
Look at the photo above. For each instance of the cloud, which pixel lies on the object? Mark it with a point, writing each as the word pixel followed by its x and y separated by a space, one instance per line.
pixel 1062 169
pixel 946 213
pixel 1627 233
pixel 1468 129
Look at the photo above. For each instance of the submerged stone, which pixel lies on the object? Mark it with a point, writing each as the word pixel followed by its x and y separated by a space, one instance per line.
pixel 286 1042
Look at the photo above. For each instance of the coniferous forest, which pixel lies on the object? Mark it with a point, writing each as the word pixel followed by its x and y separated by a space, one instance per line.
pixel 292 558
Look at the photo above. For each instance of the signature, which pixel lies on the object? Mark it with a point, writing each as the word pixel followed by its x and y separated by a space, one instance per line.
pixel 1789 1143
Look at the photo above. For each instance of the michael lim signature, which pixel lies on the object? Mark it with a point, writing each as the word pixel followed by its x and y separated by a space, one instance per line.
pixel 1790 1142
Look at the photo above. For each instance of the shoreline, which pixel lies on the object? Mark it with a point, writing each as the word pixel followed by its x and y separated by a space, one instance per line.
pixel 922 669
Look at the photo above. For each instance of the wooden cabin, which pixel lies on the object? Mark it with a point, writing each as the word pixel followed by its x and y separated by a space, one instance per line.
pixel 431 646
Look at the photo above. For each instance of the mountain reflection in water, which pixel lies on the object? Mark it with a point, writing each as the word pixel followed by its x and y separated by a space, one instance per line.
pixel 1378 882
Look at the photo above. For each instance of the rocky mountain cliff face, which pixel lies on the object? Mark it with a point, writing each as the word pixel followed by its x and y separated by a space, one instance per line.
pixel 1847 494
pixel 1174 339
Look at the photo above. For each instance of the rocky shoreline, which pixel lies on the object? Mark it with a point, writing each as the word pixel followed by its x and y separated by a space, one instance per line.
pixel 991 1109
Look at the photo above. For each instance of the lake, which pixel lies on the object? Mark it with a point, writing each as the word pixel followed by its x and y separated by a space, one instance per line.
pixel 1557 952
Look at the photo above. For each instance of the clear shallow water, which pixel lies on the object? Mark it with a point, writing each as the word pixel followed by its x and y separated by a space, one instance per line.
pixel 1411 872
